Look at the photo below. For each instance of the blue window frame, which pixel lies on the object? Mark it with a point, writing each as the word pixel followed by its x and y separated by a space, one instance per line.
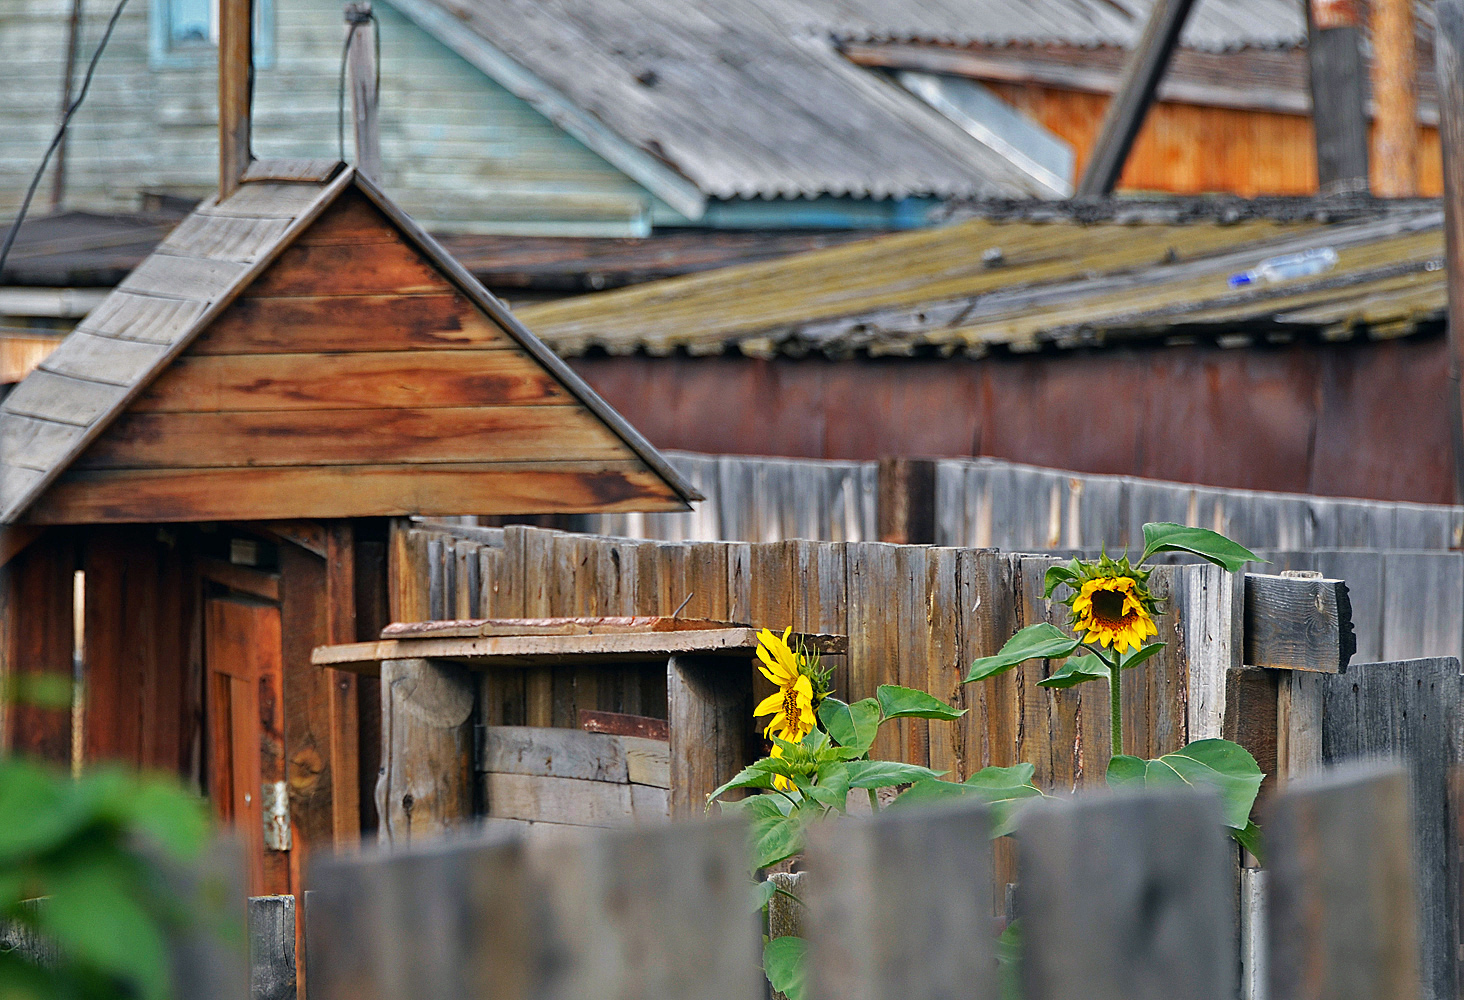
pixel 184 33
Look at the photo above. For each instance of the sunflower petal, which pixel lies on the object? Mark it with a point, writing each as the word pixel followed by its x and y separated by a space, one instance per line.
pixel 771 703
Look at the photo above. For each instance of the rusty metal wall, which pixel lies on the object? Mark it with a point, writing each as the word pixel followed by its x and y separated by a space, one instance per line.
pixel 1363 420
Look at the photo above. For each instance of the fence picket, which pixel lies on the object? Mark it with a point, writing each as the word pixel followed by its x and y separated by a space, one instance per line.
pixel 1341 906
pixel 1126 897
pixel 899 907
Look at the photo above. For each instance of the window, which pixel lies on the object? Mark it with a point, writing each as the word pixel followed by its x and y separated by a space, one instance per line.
pixel 185 33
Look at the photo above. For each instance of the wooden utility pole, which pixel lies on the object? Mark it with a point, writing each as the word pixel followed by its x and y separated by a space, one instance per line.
pixel 1126 111
pixel 73 31
pixel 361 62
pixel 1395 100
pixel 1449 66
pixel 1339 101
pixel 236 91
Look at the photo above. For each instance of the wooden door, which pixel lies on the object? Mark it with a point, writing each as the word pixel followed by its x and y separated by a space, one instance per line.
pixel 242 657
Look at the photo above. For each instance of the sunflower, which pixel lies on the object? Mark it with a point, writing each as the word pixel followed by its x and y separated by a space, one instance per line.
pixel 1115 611
pixel 791 706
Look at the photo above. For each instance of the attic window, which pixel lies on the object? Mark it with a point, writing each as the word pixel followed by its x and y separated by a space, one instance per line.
pixel 185 33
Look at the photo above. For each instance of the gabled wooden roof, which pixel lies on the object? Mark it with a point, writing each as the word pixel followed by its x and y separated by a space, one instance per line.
pixel 97 429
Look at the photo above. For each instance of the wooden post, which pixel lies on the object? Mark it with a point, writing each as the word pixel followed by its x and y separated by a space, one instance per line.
pixel 709 708
pixel 1449 63
pixel 361 62
pixel 1341 900
pixel 1126 111
pixel 426 782
pixel 905 501
pixel 1395 100
pixel 898 905
pixel 73 31
pixel 272 947
pixel 236 91
pixel 1339 107
pixel 341 706
pixel 1127 898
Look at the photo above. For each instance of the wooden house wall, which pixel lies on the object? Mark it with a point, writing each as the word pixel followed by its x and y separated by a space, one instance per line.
pixel 1189 149
pixel 350 379
pixel 458 151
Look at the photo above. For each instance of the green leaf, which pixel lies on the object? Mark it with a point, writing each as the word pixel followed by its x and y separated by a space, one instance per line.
pixel 884 773
pixel 785 963
pixel 93 914
pixel 906 703
pixel 754 775
pixel 762 892
pixel 1207 544
pixel 1035 642
pixel 850 725
pixel 1250 838
pixel 832 790
pixel 1219 764
pixel 775 836
pixel 1056 576
pixel 51 691
pixel 1009 961
pixel 1004 789
pixel 1141 654
pixel 1075 671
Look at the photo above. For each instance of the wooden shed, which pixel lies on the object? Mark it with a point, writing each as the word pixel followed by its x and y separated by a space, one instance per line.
pixel 197 487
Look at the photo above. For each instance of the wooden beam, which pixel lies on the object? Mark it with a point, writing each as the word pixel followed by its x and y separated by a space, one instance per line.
pixel 236 91
pixel 361 63
pixel 1449 62
pixel 1395 97
pixel 14 538
pixel 1125 114
pixel 709 709
pixel 905 501
pixel 1298 623
pixel 1339 104
pixel 341 701
pixel 265 586
pixel 426 783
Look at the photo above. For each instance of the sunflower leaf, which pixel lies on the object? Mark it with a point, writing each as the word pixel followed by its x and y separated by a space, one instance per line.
pixel 785 961
pixel 1003 789
pixel 1209 545
pixel 1056 576
pixel 751 776
pixel 1226 767
pixel 884 773
pixel 853 725
pixel 897 702
pixel 775 837
pixel 1075 671
pixel 1035 642
pixel 1140 655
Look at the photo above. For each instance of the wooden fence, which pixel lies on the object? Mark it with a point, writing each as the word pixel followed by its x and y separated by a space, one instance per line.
pixel 986 502
pixel 1120 898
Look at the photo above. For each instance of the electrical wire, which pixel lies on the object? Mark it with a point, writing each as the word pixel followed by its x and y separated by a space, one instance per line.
pixel 60 131
pixel 357 18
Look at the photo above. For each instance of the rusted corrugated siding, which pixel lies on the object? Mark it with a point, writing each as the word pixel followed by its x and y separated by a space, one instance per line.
pixel 1361 419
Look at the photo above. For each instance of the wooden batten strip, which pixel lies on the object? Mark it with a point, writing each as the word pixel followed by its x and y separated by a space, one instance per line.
pixel 184 277
pixel 350 491
pixel 64 399
pixel 144 318
pixel 36 444
pixel 221 238
pixel 408 436
pixel 316 171
pixel 103 359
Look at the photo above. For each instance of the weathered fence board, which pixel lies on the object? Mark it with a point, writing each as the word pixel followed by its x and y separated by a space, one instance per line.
pixel 272 948
pixel 1411 711
pixel 1341 903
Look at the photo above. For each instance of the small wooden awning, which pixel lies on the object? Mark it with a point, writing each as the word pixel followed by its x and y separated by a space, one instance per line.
pixel 534 642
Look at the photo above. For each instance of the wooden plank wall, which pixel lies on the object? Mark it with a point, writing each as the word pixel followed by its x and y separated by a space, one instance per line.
pixel 989 502
pixel 36 637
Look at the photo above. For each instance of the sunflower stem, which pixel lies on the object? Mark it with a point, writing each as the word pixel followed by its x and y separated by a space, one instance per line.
pixel 1115 704
pixel 873 801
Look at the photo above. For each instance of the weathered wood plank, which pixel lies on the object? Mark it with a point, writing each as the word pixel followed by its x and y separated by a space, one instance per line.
pixel 930 873
pixel 624 724
pixel 408 436
pixel 182 277
pixel 367 379
pixel 1297 624
pixel 647 761
pixel 873 652
pixel 548 752
pixel 1210 610
pixel 710 714
pixel 348 491
pixel 324 323
pixel 272 948
pixel 241 241
pixel 103 359
pixel 67 400
pixel 36 444
pixel 300 170
pixel 425 787
pixel 340 687
pixel 143 318
pixel 376 264
pixel 1127 898
pixel 1341 903
pixel 557 800
pixel 1412 711
pixel 36 639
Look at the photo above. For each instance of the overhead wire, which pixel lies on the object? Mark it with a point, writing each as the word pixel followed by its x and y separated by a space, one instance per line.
pixel 60 132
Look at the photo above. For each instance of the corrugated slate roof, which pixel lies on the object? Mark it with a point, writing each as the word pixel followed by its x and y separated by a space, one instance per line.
pixel 736 96
pixel 149 319
pixel 1021 285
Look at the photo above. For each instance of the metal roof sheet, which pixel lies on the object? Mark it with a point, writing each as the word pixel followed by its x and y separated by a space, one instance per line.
pixel 743 98
pixel 1022 285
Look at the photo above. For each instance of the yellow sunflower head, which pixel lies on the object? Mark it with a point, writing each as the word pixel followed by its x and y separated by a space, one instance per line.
pixel 798 693
pixel 1115 610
